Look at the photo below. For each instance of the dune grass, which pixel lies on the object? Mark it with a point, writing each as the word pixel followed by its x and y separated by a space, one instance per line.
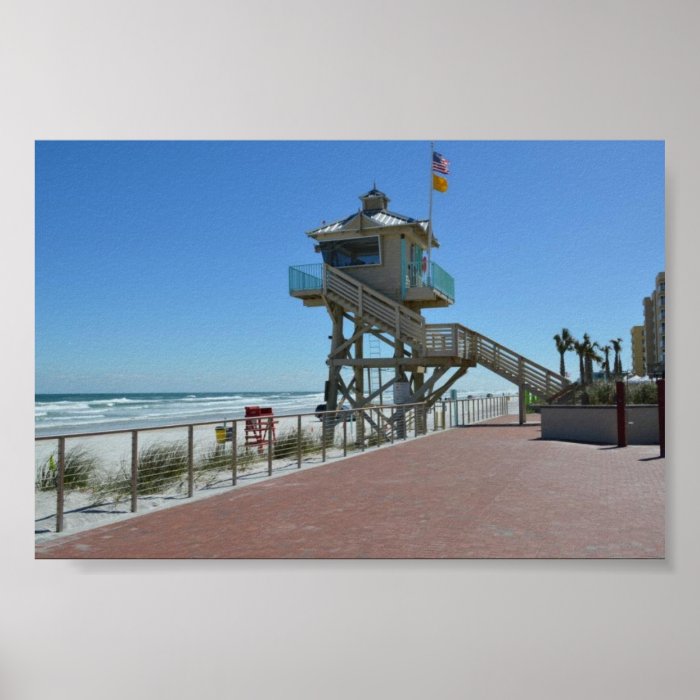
pixel 79 471
pixel 287 445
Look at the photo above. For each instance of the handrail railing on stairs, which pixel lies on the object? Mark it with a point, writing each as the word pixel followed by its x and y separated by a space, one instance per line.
pixel 390 315
pixel 459 341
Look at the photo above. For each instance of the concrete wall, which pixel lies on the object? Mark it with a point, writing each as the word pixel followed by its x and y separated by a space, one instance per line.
pixel 598 424
pixel 642 425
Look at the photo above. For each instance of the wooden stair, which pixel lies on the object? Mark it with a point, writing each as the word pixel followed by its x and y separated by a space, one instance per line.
pixel 462 343
pixel 453 343
pixel 374 308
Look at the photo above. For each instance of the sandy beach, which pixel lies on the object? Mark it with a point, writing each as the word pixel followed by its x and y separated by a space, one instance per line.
pixel 95 506
pixel 83 510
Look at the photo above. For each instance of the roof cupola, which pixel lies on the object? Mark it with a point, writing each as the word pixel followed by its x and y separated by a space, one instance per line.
pixel 374 200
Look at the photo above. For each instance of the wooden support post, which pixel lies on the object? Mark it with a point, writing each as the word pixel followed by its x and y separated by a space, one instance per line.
pixel 359 381
pixel 522 409
pixel 621 422
pixel 337 340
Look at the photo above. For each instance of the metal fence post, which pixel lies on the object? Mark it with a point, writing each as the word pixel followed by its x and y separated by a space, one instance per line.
pixel 345 437
pixel 134 470
pixel 360 429
pixel 299 442
pixel 234 455
pixel 60 479
pixel 190 461
pixel 269 446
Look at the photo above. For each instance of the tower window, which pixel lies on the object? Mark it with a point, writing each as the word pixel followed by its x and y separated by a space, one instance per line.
pixel 351 252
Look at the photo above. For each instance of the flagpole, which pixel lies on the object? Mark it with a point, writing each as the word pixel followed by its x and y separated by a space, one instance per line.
pixel 430 213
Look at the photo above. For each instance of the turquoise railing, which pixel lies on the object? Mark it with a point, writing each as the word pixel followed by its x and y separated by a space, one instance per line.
pixel 310 277
pixel 438 279
pixel 305 277
pixel 442 281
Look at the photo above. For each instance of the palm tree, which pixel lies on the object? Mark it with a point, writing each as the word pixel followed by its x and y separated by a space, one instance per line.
pixel 580 349
pixel 590 356
pixel 606 365
pixel 564 343
pixel 617 362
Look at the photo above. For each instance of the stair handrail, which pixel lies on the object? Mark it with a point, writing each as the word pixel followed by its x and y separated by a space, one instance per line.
pixel 414 321
pixel 496 356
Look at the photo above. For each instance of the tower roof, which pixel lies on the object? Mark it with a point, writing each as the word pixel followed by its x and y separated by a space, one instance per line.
pixel 374 214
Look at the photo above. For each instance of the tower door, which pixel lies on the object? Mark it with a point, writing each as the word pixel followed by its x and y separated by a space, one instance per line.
pixel 414 266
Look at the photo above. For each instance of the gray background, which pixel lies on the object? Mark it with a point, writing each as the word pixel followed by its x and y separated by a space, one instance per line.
pixel 448 70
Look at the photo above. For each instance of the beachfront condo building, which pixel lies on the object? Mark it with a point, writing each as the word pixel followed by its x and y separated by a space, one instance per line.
pixel 638 351
pixel 649 344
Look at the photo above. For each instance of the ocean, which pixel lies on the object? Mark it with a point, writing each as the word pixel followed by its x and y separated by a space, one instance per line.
pixel 64 414
pixel 68 414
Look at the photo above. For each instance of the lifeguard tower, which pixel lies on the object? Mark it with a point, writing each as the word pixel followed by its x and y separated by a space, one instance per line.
pixel 375 277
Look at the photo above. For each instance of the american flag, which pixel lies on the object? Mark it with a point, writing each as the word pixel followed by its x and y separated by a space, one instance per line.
pixel 440 164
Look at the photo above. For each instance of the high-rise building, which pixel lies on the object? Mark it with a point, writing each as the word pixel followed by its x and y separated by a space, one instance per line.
pixel 638 351
pixel 655 328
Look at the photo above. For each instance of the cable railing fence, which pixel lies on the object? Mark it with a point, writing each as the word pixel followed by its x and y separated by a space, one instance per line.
pixel 91 478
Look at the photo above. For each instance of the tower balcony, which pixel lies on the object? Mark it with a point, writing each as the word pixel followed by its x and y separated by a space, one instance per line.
pixel 306 283
pixel 430 287
pixel 432 284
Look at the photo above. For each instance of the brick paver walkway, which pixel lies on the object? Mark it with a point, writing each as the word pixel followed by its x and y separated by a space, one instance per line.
pixel 490 491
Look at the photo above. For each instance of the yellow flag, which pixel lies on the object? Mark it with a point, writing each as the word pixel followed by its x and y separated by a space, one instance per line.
pixel 439 183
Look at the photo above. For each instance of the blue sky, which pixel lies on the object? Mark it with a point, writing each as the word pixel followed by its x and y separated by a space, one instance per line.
pixel 162 266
